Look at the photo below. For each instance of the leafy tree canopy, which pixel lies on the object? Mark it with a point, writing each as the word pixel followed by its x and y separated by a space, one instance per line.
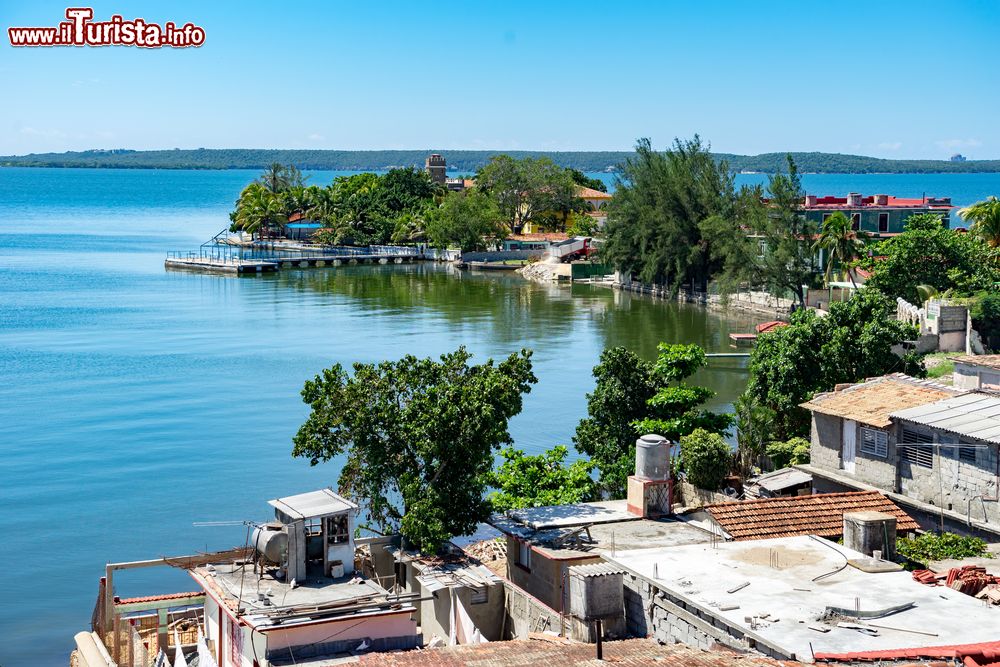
pixel 524 188
pixel 706 458
pixel 634 397
pixel 927 253
pixel 466 220
pixel 854 341
pixel 544 479
pixel 419 437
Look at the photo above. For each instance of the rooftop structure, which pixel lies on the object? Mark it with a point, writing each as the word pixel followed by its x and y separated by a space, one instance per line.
pixel 821 514
pixel 872 402
pixel 782 482
pixel 857 201
pixel 312 505
pixel 976 371
pixel 790 596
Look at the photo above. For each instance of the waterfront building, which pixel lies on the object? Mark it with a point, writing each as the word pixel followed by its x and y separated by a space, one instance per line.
pixel 878 215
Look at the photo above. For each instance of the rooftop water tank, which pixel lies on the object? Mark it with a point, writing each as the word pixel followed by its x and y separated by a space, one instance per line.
pixel 652 457
pixel 271 542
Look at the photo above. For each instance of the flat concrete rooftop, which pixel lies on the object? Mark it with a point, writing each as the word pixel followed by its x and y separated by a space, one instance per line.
pixel 237 586
pixel 780 573
pixel 633 532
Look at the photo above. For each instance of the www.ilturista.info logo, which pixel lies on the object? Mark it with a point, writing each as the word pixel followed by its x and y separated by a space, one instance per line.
pixel 80 30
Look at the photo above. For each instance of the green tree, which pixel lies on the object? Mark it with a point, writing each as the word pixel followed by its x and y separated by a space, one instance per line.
pixel 985 219
pixel 842 244
pixel 853 342
pixel 278 178
pixel 662 204
pixel 788 261
pixel 634 397
pixel 532 481
pixel 419 437
pixel 467 220
pixel 581 178
pixel 258 211
pixel 794 451
pixel 524 188
pixel 986 318
pixel 705 458
pixel 927 253
pixel 754 430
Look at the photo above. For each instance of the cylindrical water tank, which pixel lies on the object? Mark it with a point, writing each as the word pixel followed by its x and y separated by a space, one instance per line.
pixel 652 457
pixel 271 542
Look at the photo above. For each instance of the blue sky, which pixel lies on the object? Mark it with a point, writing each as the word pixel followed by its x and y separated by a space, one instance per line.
pixel 893 79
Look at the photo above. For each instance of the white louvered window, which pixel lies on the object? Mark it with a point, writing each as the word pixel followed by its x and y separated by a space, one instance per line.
pixel 875 442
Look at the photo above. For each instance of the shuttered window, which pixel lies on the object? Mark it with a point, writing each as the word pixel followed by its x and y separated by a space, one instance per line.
pixel 967 454
pixel 874 442
pixel 920 456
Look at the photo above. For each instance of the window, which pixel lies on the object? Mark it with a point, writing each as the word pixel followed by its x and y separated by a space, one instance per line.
pixel 883 222
pixel 337 531
pixel 855 221
pixel 524 554
pixel 313 527
pixel 761 248
pixel 480 595
pixel 826 215
pixel 920 456
pixel 967 454
pixel 874 442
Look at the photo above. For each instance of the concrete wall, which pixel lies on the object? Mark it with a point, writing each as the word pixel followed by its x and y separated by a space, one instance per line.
pixel 524 614
pixel 692 496
pixel 547 576
pixel 500 255
pixel 826 440
pixel 970 376
pixel 952 482
pixel 654 612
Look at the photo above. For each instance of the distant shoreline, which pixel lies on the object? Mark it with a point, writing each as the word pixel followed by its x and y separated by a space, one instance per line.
pixel 466 161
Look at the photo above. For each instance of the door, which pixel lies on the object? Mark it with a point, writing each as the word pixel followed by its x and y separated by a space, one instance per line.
pixel 850 437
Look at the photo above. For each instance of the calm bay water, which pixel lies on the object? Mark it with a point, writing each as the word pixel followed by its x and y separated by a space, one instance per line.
pixel 134 401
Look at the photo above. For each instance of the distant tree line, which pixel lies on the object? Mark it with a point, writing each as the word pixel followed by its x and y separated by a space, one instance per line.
pixel 465 161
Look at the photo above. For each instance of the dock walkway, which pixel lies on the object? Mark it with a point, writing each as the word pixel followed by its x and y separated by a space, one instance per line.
pixel 255 260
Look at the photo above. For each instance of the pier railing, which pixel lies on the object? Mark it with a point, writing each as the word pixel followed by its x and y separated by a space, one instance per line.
pixel 222 254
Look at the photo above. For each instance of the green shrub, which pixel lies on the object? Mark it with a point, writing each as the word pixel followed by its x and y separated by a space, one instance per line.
pixel 790 452
pixel 986 319
pixel 706 458
pixel 927 547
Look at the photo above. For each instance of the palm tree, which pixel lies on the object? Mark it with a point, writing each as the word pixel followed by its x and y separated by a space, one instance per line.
pixel 841 242
pixel 985 218
pixel 258 210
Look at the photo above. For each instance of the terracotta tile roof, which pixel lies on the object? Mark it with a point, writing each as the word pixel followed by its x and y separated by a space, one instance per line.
pixel 986 652
pixel 872 402
pixel 770 326
pixel 820 514
pixel 554 652
pixel 590 193
pixel 158 598
pixel 987 360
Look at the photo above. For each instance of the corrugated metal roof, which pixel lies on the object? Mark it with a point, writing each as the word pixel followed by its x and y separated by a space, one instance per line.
pixel 312 504
pixel 595 570
pixel 783 479
pixel 974 415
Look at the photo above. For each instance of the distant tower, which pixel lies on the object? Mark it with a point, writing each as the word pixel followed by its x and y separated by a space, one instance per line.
pixel 436 168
